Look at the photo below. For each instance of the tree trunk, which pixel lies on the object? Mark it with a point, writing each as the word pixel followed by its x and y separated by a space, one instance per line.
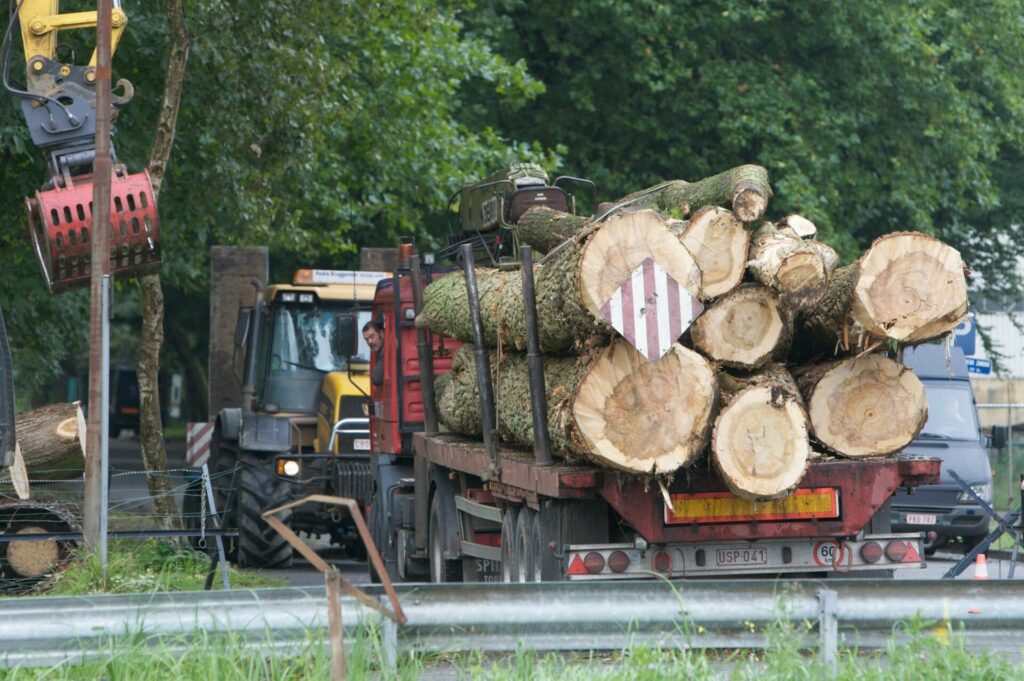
pixel 863 406
pixel 761 444
pixel 50 442
pixel 798 269
pixel 572 284
pixel 908 287
pixel 544 228
pixel 151 435
pixel 744 329
pixel 744 190
pixel 718 242
pixel 611 407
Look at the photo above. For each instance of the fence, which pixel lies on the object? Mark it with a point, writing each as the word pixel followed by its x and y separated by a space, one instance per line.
pixel 542 617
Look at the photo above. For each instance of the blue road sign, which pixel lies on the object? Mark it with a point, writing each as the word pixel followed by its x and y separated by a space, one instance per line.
pixel 965 334
pixel 979 366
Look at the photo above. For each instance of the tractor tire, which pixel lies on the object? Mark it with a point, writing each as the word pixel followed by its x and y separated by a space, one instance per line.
pixel 259 545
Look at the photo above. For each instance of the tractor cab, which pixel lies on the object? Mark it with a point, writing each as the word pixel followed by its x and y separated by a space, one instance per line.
pixel 490 207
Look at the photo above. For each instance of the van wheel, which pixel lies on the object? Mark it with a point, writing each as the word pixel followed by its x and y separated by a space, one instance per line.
pixel 509 555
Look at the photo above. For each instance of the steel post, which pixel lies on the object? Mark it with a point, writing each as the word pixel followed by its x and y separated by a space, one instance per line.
pixel 535 364
pixel 483 365
pixel 828 629
pixel 105 423
pixel 99 264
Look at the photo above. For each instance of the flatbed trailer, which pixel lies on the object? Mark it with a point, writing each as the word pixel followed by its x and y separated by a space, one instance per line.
pixel 452 508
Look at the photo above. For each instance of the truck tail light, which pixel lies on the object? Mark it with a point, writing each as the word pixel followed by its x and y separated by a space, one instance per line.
pixel 618 561
pixel 662 562
pixel 576 566
pixel 871 552
pixel 593 562
pixel 895 550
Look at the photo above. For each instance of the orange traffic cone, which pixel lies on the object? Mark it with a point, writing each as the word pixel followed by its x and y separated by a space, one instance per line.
pixel 981 567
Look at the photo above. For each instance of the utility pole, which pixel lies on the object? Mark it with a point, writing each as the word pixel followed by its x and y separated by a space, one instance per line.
pixel 95 461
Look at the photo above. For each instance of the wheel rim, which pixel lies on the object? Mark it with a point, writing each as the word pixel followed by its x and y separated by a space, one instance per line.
pixel 436 554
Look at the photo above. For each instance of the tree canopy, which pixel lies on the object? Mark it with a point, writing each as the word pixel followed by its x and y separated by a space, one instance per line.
pixel 316 127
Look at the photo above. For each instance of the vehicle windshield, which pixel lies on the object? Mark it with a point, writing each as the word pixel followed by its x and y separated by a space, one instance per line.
pixel 304 338
pixel 951 413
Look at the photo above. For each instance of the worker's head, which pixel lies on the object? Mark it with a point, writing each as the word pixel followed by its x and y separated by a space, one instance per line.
pixel 373 334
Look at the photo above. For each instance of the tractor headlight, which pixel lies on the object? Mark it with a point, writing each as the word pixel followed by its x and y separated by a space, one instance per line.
pixel 288 468
pixel 982 489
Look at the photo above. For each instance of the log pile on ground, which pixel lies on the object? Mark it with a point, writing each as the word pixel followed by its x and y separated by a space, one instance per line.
pixel 791 353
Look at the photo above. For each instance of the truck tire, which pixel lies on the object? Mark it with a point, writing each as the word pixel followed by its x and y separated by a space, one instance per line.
pixel 441 569
pixel 509 555
pixel 259 545
pixel 528 545
pixel 380 532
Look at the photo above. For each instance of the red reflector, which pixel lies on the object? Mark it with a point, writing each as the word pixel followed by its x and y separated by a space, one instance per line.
pixel 618 561
pixel 594 562
pixel 871 552
pixel 576 566
pixel 662 562
pixel 895 550
pixel 912 556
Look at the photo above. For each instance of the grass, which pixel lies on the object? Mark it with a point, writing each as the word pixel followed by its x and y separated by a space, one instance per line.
pixel 146 567
pixel 914 652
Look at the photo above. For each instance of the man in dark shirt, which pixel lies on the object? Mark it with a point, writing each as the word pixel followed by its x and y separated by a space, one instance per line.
pixel 373 334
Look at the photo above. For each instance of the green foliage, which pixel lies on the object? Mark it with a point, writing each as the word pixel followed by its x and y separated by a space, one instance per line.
pixel 870 116
pixel 146 567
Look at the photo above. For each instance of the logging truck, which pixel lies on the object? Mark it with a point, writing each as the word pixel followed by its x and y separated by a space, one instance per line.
pixel 454 508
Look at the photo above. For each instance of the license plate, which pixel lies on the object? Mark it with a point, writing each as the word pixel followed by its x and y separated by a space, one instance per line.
pixel 742 556
pixel 361 443
pixel 920 519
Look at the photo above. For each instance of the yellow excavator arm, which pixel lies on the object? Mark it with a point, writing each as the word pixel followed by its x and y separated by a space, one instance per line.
pixel 41 20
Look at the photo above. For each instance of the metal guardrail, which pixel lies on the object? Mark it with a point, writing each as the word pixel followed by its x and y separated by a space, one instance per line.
pixel 542 617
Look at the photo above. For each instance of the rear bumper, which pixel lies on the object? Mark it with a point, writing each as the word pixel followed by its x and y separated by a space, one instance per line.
pixel 762 557
pixel 962 520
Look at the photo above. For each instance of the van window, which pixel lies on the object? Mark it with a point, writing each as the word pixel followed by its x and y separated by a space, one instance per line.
pixel 951 412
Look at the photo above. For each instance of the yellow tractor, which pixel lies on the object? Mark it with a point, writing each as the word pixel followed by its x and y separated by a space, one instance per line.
pixel 303 426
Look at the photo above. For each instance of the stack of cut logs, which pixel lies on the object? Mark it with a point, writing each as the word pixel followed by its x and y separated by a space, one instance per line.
pixel 791 355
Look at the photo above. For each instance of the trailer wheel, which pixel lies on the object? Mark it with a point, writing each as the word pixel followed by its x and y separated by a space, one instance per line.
pixel 528 545
pixel 259 545
pixel 509 554
pixel 441 569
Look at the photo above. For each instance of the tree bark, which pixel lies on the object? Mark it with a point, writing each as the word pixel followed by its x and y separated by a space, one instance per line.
pixel 718 242
pixel 744 329
pixel 544 228
pixel 744 189
pixel 908 287
pixel 761 443
pixel 798 269
pixel 49 440
pixel 863 406
pixel 572 284
pixel 611 407
pixel 151 435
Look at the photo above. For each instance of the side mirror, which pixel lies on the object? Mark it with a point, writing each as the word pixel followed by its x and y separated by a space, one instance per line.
pixel 999 437
pixel 242 326
pixel 346 335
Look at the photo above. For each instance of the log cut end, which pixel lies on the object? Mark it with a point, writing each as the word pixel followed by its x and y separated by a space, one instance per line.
pixel 912 288
pixel 798 226
pixel 718 242
pixel 621 246
pixel 802 279
pixel 749 202
pixel 743 329
pixel 761 444
pixel 646 417
pixel 867 406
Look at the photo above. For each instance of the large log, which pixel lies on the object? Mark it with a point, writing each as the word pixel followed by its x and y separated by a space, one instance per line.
pixel 544 228
pixel 908 287
pixel 798 269
pixel 718 242
pixel 743 329
pixel 610 407
pixel 863 406
pixel 761 443
pixel 50 442
pixel 744 189
pixel 572 284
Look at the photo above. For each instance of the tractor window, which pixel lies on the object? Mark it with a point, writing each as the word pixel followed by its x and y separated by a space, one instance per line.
pixel 304 340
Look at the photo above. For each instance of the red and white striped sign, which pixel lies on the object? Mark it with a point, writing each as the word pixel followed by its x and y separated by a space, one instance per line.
pixel 197 443
pixel 651 310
